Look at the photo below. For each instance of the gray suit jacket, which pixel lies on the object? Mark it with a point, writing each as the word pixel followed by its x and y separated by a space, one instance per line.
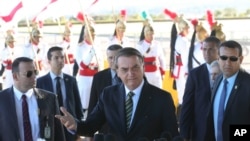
pixel 48 108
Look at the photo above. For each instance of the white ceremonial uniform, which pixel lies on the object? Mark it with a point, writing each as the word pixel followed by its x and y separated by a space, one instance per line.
pixel 198 55
pixel 39 54
pixel 8 55
pixel 69 61
pixel 181 64
pixel 125 42
pixel 89 64
pixel 154 61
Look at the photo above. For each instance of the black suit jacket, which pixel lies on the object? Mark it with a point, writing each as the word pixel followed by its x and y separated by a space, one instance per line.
pixel 74 105
pixel 48 108
pixel 237 109
pixel 155 114
pixel 101 80
pixel 195 106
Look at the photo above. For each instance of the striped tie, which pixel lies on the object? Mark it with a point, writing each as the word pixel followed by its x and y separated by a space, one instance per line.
pixel 129 108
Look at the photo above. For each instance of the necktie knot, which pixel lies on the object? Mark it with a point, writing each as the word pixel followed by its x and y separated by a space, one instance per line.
pixel 24 97
pixel 130 94
pixel 225 81
pixel 58 78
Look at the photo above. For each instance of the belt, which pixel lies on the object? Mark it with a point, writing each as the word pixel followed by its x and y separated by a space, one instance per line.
pixel 150 63
pixel 93 67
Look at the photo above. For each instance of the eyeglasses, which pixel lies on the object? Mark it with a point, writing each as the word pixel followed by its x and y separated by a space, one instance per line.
pixel 231 58
pixel 30 73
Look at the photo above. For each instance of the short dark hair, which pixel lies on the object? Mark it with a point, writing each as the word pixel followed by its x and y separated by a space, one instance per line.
pixel 114 47
pixel 52 49
pixel 127 52
pixel 232 44
pixel 213 39
pixel 17 61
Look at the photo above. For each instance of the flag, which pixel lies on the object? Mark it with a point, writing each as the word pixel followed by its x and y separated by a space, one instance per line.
pixel 9 9
pixel 42 10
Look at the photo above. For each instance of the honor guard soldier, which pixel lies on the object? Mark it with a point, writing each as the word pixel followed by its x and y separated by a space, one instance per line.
pixel 36 50
pixel 90 62
pixel 68 49
pixel 120 28
pixel 154 60
pixel 195 57
pixel 8 54
pixel 179 52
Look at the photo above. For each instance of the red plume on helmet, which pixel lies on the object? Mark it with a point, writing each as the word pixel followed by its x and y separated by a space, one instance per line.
pixel 123 13
pixel 171 14
pixel 194 22
pixel 80 16
pixel 210 19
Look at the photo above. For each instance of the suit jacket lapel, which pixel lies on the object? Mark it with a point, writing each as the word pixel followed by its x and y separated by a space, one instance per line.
pixel 68 89
pixel 233 92
pixel 41 111
pixel 216 86
pixel 143 102
pixel 121 107
pixel 12 110
pixel 49 80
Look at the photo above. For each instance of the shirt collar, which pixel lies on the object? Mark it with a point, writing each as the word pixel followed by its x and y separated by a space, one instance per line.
pixel 208 67
pixel 53 76
pixel 232 78
pixel 136 91
pixel 19 94
pixel 113 73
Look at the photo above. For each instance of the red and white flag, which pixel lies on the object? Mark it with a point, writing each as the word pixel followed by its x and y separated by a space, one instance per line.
pixel 9 9
pixel 36 17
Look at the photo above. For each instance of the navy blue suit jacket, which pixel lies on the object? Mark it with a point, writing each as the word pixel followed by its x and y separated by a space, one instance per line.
pixel 237 109
pixel 155 114
pixel 48 108
pixel 195 106
pixel 73 102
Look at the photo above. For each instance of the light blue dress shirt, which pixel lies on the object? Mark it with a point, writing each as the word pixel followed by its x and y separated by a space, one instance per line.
pixel 216 103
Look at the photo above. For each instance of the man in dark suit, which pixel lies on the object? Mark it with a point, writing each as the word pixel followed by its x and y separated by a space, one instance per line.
pixel 27 113
pixel 197 94
pixel 69 89
pixel 132 109
pixel 107 76
pixel 235 108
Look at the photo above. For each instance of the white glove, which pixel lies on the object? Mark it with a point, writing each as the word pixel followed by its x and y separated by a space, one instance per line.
pixel 89 57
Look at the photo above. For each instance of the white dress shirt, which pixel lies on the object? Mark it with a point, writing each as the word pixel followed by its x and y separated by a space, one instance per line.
pixel 33 113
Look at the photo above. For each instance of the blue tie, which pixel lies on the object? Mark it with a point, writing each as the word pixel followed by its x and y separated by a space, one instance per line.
pixel 221 111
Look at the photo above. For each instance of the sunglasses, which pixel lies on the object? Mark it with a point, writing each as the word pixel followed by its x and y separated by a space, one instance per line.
pixel 231 58
pixel 30 73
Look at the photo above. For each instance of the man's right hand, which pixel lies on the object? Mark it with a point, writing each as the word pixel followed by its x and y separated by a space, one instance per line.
pixel 67 119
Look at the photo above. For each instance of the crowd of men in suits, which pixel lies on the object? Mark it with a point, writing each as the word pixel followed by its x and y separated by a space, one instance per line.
pixel 126 99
